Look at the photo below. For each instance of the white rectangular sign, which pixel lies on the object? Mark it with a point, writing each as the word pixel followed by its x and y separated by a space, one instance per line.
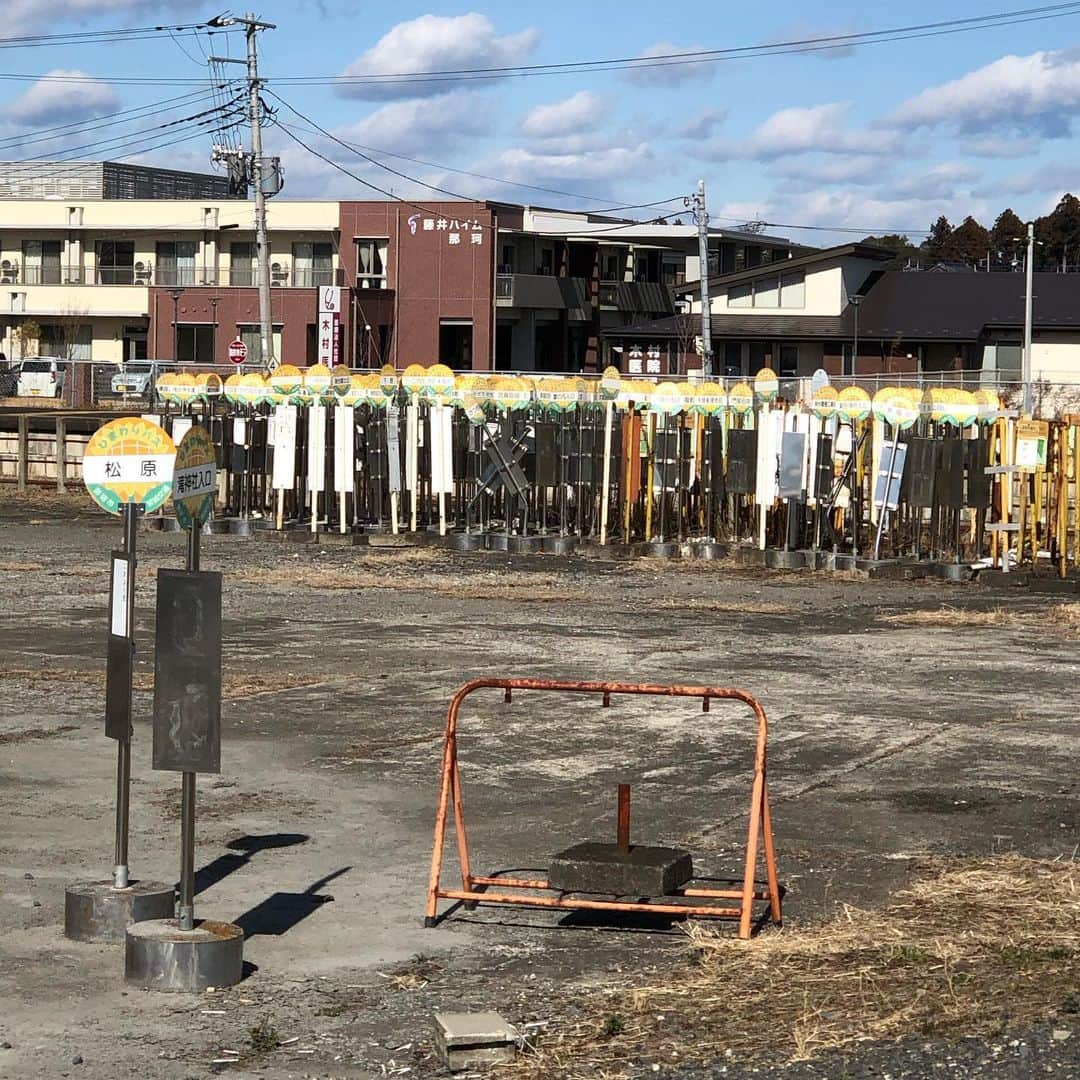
pixel 442 449
pixel 284 438
pixel 316 449
pixel 118 621
pixel 181 425
pixel 344 451
pixel 329 299
pixel 194 481
pixel 128 469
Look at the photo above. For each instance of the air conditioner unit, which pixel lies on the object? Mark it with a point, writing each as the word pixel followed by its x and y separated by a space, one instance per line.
pixel 143 273
pixel 279 275
pixel 9 272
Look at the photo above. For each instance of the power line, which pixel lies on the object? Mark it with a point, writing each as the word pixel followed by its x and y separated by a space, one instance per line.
pixel 805 45
pixel 497 179
pixel 89 37
pixel 97 123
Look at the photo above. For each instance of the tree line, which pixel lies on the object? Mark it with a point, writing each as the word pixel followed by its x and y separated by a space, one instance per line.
pixel 1001 247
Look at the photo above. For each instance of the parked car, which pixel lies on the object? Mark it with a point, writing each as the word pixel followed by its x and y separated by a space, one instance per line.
pixel 137 379
pixel 40 376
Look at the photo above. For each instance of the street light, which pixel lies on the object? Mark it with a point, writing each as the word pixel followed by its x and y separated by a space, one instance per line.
pixel 176 294
pixel 855 301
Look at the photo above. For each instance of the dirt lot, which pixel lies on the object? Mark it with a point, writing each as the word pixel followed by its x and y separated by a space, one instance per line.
pixel 900 736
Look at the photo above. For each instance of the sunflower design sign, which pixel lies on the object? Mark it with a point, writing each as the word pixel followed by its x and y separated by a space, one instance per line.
pixel 129 460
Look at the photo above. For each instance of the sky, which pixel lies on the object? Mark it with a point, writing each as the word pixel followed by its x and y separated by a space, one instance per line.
pixel 875 138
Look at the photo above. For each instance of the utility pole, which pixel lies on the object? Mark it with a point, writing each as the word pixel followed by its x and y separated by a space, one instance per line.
pixel 1028 317
pixel 256 167
pixel 701 216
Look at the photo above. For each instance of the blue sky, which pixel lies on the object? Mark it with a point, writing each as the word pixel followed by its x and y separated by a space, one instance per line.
pixel 878 137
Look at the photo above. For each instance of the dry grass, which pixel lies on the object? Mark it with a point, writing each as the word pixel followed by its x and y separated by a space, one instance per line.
pixel 1062 619
pixel 542 588
pixel 732 607
pixel 20 567
pixel 967 950
pixel 235 685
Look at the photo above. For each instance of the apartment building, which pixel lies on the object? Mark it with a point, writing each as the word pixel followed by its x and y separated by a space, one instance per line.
pixel 104 272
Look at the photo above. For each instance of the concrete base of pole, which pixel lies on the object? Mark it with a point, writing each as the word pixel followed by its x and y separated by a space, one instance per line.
pixel 558 545
pixel 524 545
pixel 658 549
pixel 158 955
pixel 497 541
pixel 95 911
pixel 749 556
pixel 463 541
pixel 709 549
pixel 844 562
pixel 950 571
pixel 776 559
pixel 820 560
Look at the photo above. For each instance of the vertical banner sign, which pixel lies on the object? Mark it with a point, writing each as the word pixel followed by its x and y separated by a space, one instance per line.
pixel 316 462
pixel 442 450
pixel 284 436
pixel 393 447
pixel 887 484
pixel 344 450
pixel 329 325
pixel 412 446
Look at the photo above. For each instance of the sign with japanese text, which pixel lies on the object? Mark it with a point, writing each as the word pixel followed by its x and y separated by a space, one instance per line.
pixel 457 232
pixel 329 326
pixel 129 460
pixel 194 481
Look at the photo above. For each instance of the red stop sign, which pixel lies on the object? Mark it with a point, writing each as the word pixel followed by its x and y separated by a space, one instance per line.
pixel 237 351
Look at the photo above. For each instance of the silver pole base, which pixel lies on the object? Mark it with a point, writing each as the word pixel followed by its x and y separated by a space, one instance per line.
pixel 158 955
pixel 96 911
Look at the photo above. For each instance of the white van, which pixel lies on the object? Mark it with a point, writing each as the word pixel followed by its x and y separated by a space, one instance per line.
pixel 40 376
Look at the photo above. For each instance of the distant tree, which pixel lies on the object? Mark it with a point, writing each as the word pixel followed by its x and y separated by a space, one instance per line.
pixel 936 244
pixel 1006 238
pixel 903 247
pixel 1059 232
pixel 969 242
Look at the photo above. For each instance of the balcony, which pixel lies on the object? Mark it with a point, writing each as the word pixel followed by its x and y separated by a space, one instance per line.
pixel 12 274
pixel 544 291
pixel 307 277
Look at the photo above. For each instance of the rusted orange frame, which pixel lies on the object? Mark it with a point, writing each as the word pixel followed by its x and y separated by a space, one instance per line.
pixel 450 787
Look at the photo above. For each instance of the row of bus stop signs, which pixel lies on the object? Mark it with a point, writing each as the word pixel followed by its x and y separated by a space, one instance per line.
pixel 132 467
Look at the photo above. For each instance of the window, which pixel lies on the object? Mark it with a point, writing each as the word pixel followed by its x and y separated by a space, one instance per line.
pixel 673 268
pixel 509 259
pixel 371 257
pixel 732 359
pixel 195 343
pixel 547 261
pixel 455 343
pixel 242 264
pixel 41 262
pixel 767 293
pixel 789 361
pixel 175 263
pixel 66 341
pixel 313 265
pixel 740 296
pixel 760 356
pixel 116 262
pixel 251 335
pixel 793 290
pixel 611 266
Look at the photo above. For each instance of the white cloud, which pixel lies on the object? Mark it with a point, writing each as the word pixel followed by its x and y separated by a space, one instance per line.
pixel 425 126
pixel 21 16
pixel 941 182
pixel 527 165
pixel 806 175
pixel 703 125
pixel 581 112
pixel 1057 177
pixel 1033 94
pixel 56 100
pixel 435 43
pixel 994 146
pixel 670 72
pixel 816 129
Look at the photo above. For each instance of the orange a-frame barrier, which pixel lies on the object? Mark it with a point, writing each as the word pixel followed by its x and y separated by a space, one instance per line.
pixel 477 890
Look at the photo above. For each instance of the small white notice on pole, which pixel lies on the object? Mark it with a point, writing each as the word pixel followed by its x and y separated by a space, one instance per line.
pixel 118 607
pixel 284 447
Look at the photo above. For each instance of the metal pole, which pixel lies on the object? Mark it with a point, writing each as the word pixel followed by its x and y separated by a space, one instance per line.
pixel 186 908
pixel 702 217
pixel 1027 317
pixel 262 242
pixel 123 746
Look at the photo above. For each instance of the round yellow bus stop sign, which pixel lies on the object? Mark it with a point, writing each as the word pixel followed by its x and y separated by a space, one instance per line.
pixel 194 482
pixel 129 460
